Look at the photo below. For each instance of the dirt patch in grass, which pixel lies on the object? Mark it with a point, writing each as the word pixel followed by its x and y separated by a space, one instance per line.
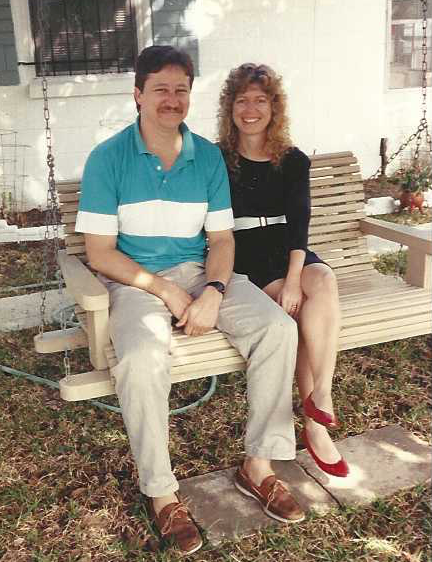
pixel 23 263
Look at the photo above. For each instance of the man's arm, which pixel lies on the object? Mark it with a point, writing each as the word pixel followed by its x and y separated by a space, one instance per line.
pixel 220 259
pixel 105 258
pixel 201 316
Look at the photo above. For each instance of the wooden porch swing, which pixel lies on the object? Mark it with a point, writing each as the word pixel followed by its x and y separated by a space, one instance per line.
pixel 375 308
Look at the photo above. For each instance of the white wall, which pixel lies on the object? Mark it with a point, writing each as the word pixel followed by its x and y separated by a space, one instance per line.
pixel 330 53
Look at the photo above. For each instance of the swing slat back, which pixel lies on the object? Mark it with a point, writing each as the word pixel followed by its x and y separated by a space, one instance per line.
pixel 337 207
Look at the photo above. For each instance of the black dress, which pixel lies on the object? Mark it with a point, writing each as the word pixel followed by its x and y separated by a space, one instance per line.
pixel 261 189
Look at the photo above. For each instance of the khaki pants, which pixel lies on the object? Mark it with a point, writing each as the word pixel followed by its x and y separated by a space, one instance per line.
pixel 140 328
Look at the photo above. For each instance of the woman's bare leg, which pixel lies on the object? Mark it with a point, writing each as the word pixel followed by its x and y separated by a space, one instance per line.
pixel 319 324
pixel 319 321
pixel 317 434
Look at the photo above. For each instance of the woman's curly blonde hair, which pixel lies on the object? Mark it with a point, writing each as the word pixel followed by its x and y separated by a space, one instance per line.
pixel 278 136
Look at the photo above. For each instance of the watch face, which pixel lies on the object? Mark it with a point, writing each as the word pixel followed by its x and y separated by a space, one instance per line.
pixel 218 285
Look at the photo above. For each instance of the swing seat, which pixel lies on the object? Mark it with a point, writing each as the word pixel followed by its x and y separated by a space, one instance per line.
pixel 375 308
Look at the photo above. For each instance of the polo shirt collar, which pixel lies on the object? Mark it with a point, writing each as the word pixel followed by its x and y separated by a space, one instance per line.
pixel 188 147
pixel 139 141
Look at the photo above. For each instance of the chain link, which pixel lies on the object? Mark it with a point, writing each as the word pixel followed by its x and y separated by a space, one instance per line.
pixel 51 250
pixel 423 126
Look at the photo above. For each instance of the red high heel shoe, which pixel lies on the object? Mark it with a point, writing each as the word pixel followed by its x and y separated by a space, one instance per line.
pixel 324 418
pixel 339 468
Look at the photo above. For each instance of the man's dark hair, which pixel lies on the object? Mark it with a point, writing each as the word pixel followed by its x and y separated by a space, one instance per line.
pixel 156 57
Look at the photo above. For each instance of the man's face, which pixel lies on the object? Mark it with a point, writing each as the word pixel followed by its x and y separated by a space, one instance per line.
pixel 165 98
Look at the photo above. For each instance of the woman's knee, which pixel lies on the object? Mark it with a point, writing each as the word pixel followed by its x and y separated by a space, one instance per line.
pixel 320 280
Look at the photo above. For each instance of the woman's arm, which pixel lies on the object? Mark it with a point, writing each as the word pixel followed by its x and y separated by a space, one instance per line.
pixel 295 170
pixel 290 297
pixel 296 174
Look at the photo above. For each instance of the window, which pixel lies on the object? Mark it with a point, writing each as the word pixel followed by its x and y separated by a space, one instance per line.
pixel 406 44
pixel 84 36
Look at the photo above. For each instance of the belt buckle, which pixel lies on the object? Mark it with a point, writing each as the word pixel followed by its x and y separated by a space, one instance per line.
pixel 263 221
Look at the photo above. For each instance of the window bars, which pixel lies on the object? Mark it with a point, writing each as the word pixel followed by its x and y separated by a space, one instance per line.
pixel 85 37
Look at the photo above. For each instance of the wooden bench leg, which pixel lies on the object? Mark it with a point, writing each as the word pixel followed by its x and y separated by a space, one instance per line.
pixel 419 269
pixel 98 336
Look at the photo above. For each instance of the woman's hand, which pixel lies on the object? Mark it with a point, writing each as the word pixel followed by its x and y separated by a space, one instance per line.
pixel 290 297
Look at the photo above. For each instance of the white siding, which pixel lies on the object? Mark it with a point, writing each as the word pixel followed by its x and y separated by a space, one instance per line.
pixel 330 53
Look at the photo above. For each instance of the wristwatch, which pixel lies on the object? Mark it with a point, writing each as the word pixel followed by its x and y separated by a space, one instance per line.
pixel 218 285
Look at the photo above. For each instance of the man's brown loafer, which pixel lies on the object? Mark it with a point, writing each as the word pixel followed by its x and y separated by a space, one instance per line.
pixel 175 523
pixel 273 495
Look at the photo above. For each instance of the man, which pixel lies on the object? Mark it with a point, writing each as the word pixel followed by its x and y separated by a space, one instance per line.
pixel 151 195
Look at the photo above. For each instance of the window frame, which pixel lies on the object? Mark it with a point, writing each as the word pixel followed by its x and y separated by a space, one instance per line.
pixel 388 56
pixel 77 84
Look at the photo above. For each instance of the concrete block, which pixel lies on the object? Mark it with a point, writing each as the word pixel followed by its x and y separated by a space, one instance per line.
pixel 380 206
pixel 428 198
pixel 381 462
pixel 11 233
pixel 4 225
pixel 18 313
pixel 220 509
pixel 7 237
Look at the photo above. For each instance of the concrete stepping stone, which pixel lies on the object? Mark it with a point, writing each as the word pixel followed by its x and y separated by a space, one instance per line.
pixel 219 508
pixel 382 462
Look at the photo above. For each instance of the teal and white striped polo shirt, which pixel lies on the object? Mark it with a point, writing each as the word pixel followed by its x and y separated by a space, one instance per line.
pixel 159 217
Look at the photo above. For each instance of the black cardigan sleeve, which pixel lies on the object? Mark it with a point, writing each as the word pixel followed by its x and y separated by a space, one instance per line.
pixel 295 169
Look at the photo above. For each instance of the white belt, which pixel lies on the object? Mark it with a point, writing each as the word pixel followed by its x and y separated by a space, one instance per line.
pixel 242 223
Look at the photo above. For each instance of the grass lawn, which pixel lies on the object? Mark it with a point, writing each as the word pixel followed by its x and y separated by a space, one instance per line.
pixel 68 484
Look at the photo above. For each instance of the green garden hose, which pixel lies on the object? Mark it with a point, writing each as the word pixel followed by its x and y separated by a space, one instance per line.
pixel 68 311
pixel 54 384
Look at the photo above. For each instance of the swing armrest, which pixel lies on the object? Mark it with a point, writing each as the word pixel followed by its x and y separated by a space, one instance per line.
pixel 419 242
pixel 85 287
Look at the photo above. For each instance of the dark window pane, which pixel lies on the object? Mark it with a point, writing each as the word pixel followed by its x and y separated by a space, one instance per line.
pixel 84 36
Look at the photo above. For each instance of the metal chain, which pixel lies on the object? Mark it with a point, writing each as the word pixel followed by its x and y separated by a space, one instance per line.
pixel 53 210
pixel 400 253
pixel 423 125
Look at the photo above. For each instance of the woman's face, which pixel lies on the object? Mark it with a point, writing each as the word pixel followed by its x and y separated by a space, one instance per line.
pixel 252 111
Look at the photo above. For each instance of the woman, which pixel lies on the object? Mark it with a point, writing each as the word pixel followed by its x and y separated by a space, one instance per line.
pixel 269 180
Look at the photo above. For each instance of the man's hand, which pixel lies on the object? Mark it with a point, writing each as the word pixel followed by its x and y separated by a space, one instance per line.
pixel 175 298
pixel 201 316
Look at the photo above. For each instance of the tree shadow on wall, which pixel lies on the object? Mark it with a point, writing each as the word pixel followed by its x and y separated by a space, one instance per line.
pixel 169 27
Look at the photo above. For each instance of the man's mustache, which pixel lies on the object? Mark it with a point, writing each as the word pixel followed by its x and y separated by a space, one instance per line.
pixel 177 109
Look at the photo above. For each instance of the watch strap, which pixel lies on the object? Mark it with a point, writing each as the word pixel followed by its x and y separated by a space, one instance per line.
pixel 218 285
